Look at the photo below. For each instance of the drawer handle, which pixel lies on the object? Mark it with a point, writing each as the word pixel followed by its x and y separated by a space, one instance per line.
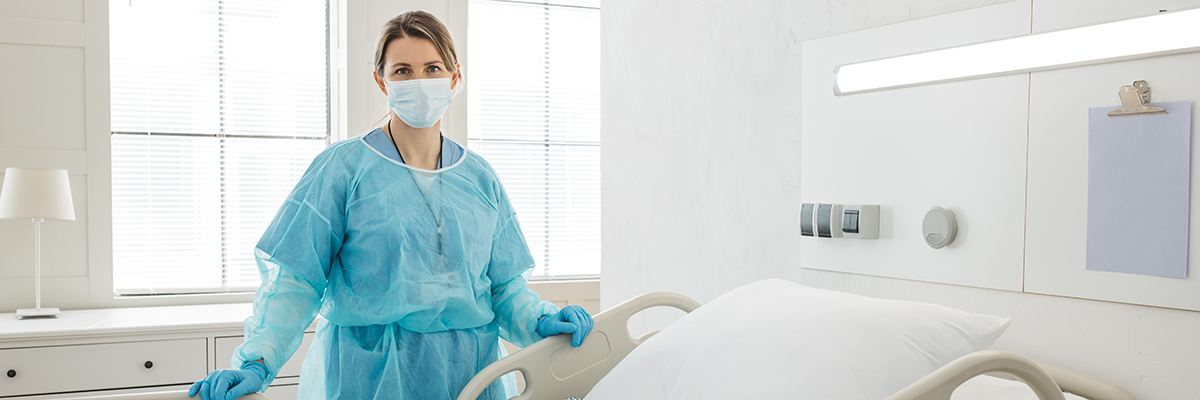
pixel 149 365
pixel 12 373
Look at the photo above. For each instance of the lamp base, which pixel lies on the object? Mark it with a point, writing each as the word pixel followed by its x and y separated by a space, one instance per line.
pixel 32 313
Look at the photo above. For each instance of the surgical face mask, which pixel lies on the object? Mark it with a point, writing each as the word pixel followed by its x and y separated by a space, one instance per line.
pixel 420 103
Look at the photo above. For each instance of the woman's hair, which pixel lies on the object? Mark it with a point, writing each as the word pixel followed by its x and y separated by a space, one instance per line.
pixel 417 24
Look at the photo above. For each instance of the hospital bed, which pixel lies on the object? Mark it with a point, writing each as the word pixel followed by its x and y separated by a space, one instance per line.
pixel 552 369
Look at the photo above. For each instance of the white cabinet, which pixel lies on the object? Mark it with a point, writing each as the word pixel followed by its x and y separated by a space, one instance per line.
pixel 226 345
pixel 279 392
pixel 151 349
pixel 109 351
pixel 50 369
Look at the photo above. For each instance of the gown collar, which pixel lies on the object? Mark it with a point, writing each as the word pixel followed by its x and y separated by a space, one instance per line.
pixel 377 140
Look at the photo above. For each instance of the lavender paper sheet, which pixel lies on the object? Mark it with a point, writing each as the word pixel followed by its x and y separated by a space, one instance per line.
pixel 1139 181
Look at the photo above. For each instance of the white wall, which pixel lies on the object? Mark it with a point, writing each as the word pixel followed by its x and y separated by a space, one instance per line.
pixel 700 143
pixel 701 126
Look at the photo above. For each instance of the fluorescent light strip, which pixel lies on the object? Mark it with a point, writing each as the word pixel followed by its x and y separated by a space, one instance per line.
pixel 1172 33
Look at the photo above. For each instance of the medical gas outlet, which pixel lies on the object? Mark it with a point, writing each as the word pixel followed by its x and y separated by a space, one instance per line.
pixel 850 221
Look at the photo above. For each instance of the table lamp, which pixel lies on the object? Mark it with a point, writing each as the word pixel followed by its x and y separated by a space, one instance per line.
pixel 38 195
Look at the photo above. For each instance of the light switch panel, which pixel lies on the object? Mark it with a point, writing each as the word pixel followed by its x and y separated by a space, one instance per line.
pixel 860 221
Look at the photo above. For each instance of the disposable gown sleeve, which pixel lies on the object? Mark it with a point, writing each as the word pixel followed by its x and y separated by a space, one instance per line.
pixel 517 308
pixel 293 257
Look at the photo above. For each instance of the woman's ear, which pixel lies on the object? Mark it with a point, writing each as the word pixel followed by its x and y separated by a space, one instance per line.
pixel 456 77
pixel 379 81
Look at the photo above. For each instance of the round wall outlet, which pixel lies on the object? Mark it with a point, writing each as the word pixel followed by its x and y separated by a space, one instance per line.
pixel 939 227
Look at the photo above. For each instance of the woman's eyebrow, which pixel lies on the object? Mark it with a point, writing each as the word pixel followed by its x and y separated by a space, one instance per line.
pixel 404 64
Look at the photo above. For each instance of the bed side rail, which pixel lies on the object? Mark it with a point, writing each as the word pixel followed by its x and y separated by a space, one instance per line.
pixel 554 370
pixel 1045 379
pixel 1084 385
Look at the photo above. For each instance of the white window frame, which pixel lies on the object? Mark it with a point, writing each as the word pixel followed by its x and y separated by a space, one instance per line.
pixel 547 143
pixel 221 135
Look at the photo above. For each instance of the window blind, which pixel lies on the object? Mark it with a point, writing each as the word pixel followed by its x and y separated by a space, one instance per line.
pixel 534 113
pixel 218 106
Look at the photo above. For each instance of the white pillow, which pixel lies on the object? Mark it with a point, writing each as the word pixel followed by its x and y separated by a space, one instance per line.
pixel 776 339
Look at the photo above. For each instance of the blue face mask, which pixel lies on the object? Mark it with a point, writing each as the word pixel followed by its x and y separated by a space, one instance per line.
pixel 420 103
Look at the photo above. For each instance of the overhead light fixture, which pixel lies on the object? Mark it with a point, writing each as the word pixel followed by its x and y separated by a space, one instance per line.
pixel 1157 35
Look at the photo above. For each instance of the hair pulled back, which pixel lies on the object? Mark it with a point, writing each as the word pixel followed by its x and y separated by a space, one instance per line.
pixel 418 24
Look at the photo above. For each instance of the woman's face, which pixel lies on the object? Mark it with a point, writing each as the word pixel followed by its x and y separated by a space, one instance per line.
pixel 413 58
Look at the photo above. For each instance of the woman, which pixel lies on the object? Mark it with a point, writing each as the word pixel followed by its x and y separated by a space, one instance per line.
pixel 406 244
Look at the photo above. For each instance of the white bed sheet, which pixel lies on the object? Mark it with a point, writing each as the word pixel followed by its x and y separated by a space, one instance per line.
pixel 985 387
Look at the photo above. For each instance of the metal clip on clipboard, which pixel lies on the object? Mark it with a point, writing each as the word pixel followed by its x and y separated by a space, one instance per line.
pixel 1133 101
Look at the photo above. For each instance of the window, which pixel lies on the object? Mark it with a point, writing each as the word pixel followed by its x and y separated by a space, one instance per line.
pixel 533 112
pixel 218 106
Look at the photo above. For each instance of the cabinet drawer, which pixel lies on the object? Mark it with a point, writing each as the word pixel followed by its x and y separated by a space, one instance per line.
pixel 102 366
pixel 283 392
pixel 226 345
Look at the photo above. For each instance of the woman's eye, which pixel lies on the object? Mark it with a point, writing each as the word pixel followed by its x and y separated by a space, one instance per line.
pixel 402 71
pixel 434 68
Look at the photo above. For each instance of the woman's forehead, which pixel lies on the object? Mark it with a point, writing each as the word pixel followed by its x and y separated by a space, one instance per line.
pixel 412 50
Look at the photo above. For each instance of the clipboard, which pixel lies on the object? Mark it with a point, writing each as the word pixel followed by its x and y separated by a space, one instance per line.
pixel 1139 185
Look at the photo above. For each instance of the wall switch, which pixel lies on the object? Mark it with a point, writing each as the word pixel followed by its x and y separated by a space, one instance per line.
pixel 860 221
pixel 829 220
pixel 807 211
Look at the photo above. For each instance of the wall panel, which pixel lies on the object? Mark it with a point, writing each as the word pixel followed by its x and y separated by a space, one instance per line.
pixel 1058 161
pixel 957 145
pixel 49 10
pixel 47 121
pixel 1053 15
pixel 43 106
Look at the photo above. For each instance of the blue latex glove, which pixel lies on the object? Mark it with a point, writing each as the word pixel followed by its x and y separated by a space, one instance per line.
pixel 230 384
pixel 571 319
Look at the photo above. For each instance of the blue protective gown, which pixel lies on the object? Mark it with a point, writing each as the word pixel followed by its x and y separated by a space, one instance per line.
pixel 417 274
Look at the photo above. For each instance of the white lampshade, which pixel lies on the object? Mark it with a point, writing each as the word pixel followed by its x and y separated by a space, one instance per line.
pixel 36 193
